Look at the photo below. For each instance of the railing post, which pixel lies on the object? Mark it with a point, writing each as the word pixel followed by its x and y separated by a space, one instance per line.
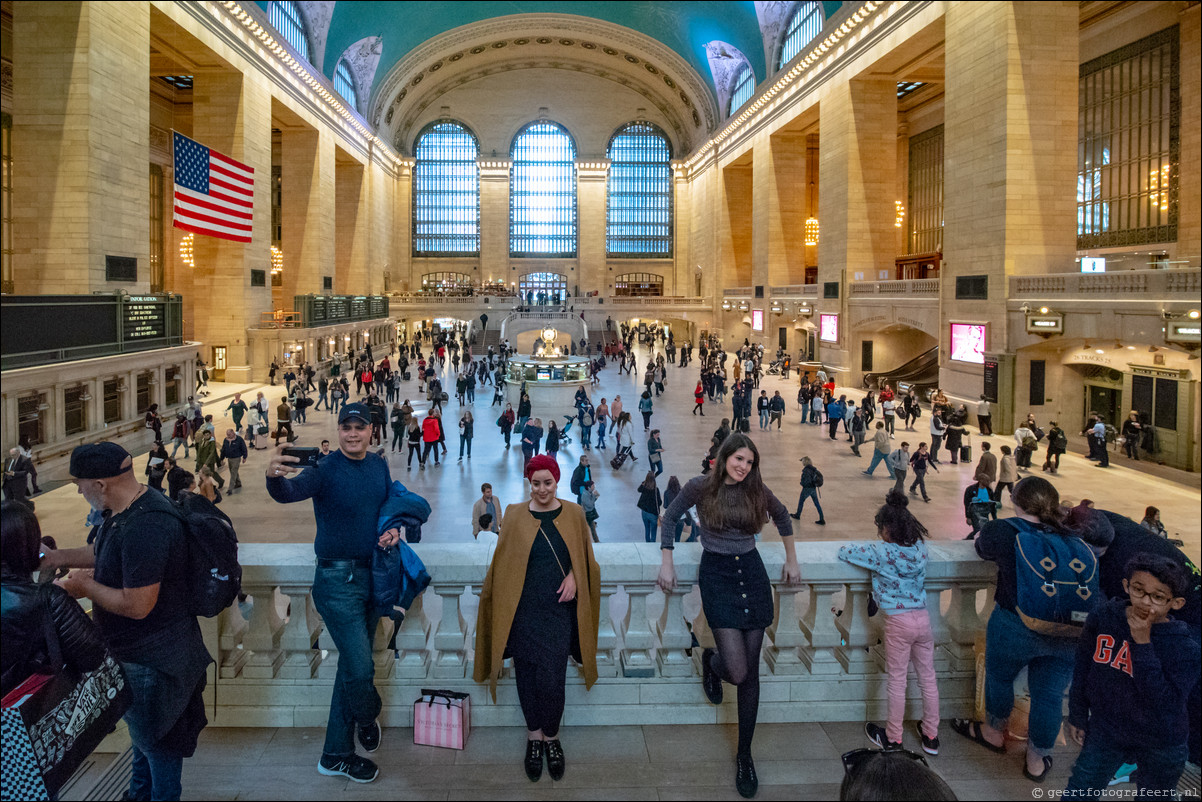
pixel 232 629
pixel 607 637
pixel 302 629
pixel 450 639
pixel 818 626
pixel 674 636
pixel 263 637
pixel 857 629
pixel 381 655
pixel 637 637
pixel 414 660
pixel 784 656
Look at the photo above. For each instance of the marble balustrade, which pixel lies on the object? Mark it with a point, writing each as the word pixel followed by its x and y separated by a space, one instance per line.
pixel 276 665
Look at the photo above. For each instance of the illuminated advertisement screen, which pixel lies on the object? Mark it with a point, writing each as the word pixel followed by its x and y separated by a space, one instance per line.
pixel 968 342
pixel 757 319
pixel 828 328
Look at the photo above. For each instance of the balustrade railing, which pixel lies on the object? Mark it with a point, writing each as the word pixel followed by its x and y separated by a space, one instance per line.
pixel 276 663
pixel 1128 284
pixel 915 288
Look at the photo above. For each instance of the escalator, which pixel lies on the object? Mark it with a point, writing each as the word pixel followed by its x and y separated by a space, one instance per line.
pixel 921 373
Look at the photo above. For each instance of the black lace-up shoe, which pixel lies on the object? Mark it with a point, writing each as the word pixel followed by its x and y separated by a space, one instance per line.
pixel 711 683
pixel 555 759
pixel 353 767
pixel 746 783
pixel 534 760
pixel 369 735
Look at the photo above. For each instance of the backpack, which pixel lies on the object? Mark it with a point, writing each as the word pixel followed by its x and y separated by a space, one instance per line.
pixel 1059 440
pixel 817 478
pixel 1030 443
pixel 213 573
pixel 1056 579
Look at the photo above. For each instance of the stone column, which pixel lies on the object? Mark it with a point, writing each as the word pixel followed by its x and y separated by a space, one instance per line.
pixel 232 114
pixel 494 222
pixel 350 231
pixel 590 226
pixel 307 210
pixel 1010 155
pixel 81 145
pixel 857 165
pixel 1189 176
pixel 779 210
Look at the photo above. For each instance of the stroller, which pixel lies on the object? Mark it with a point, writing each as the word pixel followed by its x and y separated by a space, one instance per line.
pixel 776 367
pixel 564 437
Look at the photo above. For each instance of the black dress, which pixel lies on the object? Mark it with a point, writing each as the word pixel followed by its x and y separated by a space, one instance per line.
pixel 542 625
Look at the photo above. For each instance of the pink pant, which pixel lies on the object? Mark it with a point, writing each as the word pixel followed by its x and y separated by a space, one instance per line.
pixel 908 640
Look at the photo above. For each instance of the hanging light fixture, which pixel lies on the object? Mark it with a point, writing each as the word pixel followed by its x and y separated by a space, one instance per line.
pixel 812 231
pixel 185 249
pixel 277 260
pixel 899 214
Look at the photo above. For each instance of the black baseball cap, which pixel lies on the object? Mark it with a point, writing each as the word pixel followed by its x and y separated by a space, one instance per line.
pixel 99 461
pixel 355 411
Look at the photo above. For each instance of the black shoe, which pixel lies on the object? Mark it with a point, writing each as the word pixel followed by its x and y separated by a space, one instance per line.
pixel 796 516
pixel 820 523
pixel 876 734
pixel 369 735
pixel 555 760
pixel 711 683
pixel 746 783
pixel 534 760
pixel 353 767
pixel 929 745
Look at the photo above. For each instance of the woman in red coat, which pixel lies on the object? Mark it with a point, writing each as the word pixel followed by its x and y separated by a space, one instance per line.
pixel 699 397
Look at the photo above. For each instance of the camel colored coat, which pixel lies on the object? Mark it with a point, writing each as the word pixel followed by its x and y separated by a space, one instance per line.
pixel 503 589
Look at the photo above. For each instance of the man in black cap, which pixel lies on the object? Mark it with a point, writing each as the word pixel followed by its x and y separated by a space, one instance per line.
pixel 135 575
pixel 348 487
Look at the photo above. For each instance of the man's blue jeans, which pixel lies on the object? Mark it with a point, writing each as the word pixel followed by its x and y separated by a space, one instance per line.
pixel 1009 647
pixel 1158 769
pixel 342 595
pixel 810 493
pixel 877 458
pixel 155 775
pixel 764 419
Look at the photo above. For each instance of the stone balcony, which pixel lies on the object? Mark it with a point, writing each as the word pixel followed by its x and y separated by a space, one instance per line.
pixel 1129 285
pixel 818 666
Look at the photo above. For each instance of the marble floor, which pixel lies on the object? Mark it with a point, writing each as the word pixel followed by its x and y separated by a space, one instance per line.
pixel 849 499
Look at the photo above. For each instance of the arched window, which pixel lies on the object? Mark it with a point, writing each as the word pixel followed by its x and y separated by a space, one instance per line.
pixel 638 213
pixel 543 289
pixel 542 194
pixel 744 86
pixel 446 191
pixel 344 84
pixel 803 27
pixel 638 285
pixel 286 18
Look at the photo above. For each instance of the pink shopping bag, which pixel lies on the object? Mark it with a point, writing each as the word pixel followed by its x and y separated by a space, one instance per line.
pixel 442 718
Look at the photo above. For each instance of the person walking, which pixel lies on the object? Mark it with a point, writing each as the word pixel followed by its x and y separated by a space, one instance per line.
pixel 984 417
pixel 506 421
pixel 655 452
pixel 234 453
pixel 397 420
pixel 1057 445
pixel 624 437
pixel 602 421
pixel 587 417
pixel 540 603
pixel 732 504
pixel 431 434
pixel 532 436
pixel 899 461
pixel 551 446
pixel 588 502
pixel 413 439
pixel 645 408
pixel 920 462
pixel 348 488
pixel 649 504
pixel 858 429
pixel 811 480
pixel 776 410
pixel 834 416
pixel 699 400
pixel 887 414
pixel 880 450
pixel 467 426
pixel 955 433
pixel 283 422
pixel 1007 476
pixel 938 429
pixel 761 406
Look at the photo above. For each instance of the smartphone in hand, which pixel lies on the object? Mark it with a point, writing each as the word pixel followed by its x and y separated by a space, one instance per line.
pixel 306 455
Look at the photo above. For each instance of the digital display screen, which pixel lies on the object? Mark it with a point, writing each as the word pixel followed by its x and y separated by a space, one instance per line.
pixel 1089 265
pixel 828 328
pixel 968 342
pixel 757 319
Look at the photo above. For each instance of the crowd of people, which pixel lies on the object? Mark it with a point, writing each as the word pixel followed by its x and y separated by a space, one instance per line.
pixel 1130 657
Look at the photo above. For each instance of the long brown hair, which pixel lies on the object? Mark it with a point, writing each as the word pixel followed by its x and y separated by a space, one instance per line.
pixel 741 506
pixel 1037 496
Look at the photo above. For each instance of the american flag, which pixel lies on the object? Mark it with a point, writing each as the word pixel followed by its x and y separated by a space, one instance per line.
pixel 214 195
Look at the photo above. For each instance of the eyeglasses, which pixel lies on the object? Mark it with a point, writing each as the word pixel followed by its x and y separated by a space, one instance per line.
pixel 854 759
pixel 1137 592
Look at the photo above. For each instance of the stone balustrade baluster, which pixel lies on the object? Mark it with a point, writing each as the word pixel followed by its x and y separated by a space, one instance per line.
pixel 302 629
pixel 607 636
pixel 383 657
pixel 783 657
pixel 450 639
pixel 818 626
pixel 964 623
pixel 859 631
pixel 674 637
pixel 232 627
pixel 637 638
pixel 263 637
pixel 414 660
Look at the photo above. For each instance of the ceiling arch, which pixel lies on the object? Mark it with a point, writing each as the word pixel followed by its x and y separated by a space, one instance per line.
pixel 574 44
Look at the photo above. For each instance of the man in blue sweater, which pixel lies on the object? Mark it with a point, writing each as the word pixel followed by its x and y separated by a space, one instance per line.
pixel 1135 668
pixel 348 487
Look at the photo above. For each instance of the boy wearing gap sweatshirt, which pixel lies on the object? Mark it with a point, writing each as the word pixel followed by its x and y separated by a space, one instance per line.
pixel 1135 668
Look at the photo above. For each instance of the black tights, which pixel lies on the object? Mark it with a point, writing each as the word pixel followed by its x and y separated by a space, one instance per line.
pixel 737 661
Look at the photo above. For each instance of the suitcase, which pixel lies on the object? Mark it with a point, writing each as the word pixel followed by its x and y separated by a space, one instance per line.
pixel 618 461
pixel 744 425
pixel 966 453
pixel 408 376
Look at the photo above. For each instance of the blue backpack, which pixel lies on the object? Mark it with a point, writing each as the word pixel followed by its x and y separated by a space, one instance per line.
pixel 1057 580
